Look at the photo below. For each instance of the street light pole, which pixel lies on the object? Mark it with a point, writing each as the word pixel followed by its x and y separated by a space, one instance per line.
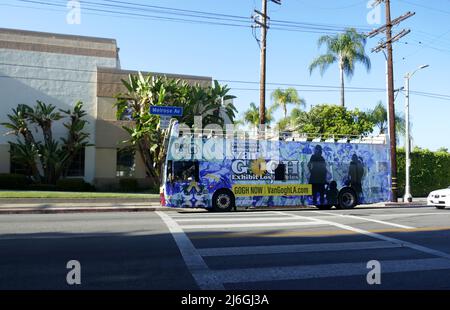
pixel 408 196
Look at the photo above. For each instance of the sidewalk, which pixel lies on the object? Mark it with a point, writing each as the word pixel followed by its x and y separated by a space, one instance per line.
pixel 43 206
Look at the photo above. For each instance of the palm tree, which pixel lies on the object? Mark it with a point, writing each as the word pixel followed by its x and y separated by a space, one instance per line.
pixel 281 98
pixel 378 116
pixel 24 153
pixel 346 49
pixel 251 116
pixel 44 115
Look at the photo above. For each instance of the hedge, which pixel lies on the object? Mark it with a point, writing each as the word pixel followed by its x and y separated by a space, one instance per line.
pixel 13 181
pixel 128 185
pixel 74 185
pixel 429 171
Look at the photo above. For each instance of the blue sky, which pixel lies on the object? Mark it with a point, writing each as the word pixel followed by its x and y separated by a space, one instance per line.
pixel 231 53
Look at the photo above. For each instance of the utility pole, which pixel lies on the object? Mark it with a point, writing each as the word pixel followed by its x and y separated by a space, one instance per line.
pixel 408 76
pixel 262 20
pixel 387 28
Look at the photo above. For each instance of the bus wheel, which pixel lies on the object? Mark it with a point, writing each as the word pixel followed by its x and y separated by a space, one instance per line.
pixel 347 198
pixel 324 207
pixel 223 201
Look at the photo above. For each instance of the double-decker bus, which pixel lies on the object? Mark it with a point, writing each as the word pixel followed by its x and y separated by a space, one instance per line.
pixel 222 171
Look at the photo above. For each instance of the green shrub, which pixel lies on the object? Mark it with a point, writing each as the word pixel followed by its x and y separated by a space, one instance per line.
pixel 128 185
pixel 13 181
pixel 74 185
pixel 429 171
pixel 42 187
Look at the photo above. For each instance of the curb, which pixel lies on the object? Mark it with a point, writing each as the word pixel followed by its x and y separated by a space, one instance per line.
pixel 76 200
pixel 81 209
pixel 55 210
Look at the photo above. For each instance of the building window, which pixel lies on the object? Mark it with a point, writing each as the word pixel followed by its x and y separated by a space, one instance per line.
pixel 17 167
pixel 76 168
pixel 125 162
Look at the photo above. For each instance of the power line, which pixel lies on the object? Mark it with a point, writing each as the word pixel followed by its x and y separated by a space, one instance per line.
pixel 330 88
pixel 197 16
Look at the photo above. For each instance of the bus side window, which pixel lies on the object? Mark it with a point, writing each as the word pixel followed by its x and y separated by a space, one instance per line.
pixel 186 171
pixel 170 171
pixel 197 172
pixel 280 172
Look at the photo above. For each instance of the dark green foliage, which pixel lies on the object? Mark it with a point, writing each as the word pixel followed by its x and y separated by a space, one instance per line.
pixel 42 187
pixel 13 181
pixel 429 171
pixel 333 120
pixel 74 185
pixel 128 185
pixel 47 160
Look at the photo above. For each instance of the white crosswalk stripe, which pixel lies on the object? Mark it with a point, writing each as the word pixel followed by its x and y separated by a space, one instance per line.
pixel 250 225
pixel 326 270
pixel 296 248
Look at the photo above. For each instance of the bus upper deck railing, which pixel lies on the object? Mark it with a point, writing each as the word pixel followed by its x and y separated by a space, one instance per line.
pixel 272 135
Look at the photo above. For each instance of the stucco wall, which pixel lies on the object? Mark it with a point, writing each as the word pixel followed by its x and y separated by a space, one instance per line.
pixel 58 79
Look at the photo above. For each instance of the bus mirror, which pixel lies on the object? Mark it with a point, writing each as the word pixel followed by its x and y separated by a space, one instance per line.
pixel 170 178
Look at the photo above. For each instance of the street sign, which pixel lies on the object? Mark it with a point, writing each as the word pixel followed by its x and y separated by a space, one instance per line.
pixel 166 110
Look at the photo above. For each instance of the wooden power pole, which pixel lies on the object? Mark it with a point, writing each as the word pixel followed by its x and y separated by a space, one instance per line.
pixel 262 21
pixel 387 28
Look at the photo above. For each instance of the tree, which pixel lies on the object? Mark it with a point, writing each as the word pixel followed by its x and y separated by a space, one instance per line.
pixel 26 153
pixel 379 117
pixel 251 116
pixel 211 103
pixel 346 49
pixel 49 156
pixel 333 120
pixel 77 139
pixel 442 150
pixel 281 98
pixel 287 123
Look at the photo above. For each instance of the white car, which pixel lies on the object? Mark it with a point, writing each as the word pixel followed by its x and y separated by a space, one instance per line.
pixel 440 198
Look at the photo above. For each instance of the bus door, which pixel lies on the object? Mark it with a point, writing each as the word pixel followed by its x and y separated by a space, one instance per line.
pixel 184 184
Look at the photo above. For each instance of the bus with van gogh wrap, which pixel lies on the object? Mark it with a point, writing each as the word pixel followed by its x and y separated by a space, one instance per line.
pixel 221 171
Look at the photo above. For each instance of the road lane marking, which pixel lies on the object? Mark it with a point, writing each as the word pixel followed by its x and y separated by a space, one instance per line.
pixel 364 219
pixel 319 233
pixel 295 248
pixel 378 236
pixel 224 215
pixel 265 225
pixel 202 274
pixel 252 219
pixel 410 214
pixel 326 270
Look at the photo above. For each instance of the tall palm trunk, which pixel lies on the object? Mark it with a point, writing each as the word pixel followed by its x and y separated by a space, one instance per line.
pixel 341 69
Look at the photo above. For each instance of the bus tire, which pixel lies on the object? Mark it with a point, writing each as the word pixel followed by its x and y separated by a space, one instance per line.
pixel 324 207
pixel 348 199
pixel 223 201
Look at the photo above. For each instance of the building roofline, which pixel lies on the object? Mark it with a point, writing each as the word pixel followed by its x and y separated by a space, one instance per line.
pixel 57 35
pixel 173 75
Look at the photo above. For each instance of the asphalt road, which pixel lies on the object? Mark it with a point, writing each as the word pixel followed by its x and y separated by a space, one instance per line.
pixel 302 249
